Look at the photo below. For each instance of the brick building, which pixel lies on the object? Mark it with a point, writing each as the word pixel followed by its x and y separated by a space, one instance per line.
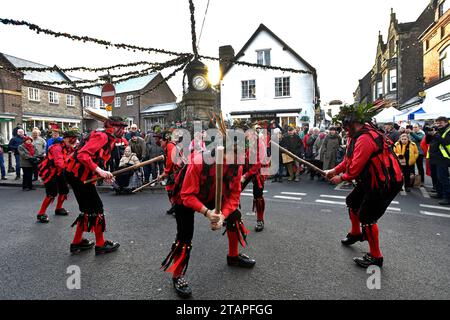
pixel 23 100
pixel 397 73
pixel 138 106
pixel 436 63
pixel 10 99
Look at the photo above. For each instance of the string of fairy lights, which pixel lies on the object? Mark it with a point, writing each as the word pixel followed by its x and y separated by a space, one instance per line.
pixel 179 63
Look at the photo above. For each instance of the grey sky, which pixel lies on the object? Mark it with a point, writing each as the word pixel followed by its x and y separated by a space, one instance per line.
pixel 337 37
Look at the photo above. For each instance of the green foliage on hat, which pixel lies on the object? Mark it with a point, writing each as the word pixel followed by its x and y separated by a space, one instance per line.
pixel 361 113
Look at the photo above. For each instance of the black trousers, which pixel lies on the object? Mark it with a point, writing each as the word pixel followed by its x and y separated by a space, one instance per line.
pixel 87 196
pixel 371 206
pixel 27 182
pixel 407 170
pixel 57 185
pixel 258 192
pixel 185 223
pixel 419 164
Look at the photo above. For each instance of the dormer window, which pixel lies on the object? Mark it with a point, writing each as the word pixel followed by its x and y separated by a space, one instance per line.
pixel 443 7
pixel 263 57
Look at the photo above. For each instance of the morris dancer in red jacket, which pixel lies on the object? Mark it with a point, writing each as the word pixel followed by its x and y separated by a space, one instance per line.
pixel 174 164
pixel 255 150
pixel 51 171
pixel 196 184
pixel 85 164
pixel 371 162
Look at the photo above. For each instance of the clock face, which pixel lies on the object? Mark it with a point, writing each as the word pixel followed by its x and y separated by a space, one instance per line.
pixel 199 82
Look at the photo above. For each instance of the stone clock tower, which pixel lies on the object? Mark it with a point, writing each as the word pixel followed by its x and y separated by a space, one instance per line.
pixel 199 100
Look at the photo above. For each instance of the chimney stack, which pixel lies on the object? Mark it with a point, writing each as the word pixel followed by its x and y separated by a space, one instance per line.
pixel 226 53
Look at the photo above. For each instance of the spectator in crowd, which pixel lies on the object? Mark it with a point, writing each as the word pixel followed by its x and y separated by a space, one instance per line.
pixel 318 154
pixel 28 160
pixel 40 144
pixel 330 147
pixel 19 126
pixel 391 132
pixel 293 143
pixel 128 159
pixel 137 145
pixel 2 164
pixel 13 146
pixel 425 146
pixel 407 152
pixel 117 152
pixel 279 175
pixel 153 150
pixel 416 135
pixel 197 144
pixel 133 131
pixel 439 151
pixel 310 154
pixel 55 130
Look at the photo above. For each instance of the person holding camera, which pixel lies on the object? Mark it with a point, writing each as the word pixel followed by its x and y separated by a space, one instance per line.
pixel 416 135
pixel 28 161
pixel 439 155
pixel 407 152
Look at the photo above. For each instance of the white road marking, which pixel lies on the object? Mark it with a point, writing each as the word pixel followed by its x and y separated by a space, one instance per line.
pixel 434 207
pixel 394 209
pixel 287 198
pixel 333 197
pixel 424 192
pixel 395 202
pixel 403 193
pixel 251 190
pixel 294 193
pixel 247 194
pixel 442 215
pixel 331 202
pixel 249 213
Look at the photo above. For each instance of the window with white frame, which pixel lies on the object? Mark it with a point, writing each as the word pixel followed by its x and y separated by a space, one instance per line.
pixel 386 82
pixel 374 92
pixel 248 89
pixel 70 100
pixel 34 94
pixel 130 100
pixel 102 104
pixel 53 97
pixel 393 79
pixel 89 101
pixel 263 57
pixel 379 89
pixel 117 102
pixel 443 7
pixel 282 87
pixel 444 62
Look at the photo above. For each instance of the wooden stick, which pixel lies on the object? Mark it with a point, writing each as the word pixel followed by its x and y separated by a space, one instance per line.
pixel 219 177
pixel 134 167
pixel 306 163
pixel 144 186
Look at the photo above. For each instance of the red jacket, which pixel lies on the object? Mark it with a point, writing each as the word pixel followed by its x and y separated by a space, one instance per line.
pixel 368 160
pixel 199 187
pixel 55 161
pixel 354 165
pixel 96 151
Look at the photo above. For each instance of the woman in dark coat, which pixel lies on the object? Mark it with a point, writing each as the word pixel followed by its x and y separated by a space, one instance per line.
pixel 330 148
pixel 28 161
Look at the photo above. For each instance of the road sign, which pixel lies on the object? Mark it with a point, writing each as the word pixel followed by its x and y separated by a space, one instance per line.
pixel 109 108
pixel 108 93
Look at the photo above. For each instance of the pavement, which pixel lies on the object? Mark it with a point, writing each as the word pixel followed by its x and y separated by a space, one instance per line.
pixel 299 255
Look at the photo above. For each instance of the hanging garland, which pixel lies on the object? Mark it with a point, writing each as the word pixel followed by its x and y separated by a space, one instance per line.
pixel 38 30
pixel 87 69
pixel 108 44
pixel 120 77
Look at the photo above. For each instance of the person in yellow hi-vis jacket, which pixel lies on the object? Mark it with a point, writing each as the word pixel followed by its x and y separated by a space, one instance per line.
pixel 439 154
pixel 407 152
